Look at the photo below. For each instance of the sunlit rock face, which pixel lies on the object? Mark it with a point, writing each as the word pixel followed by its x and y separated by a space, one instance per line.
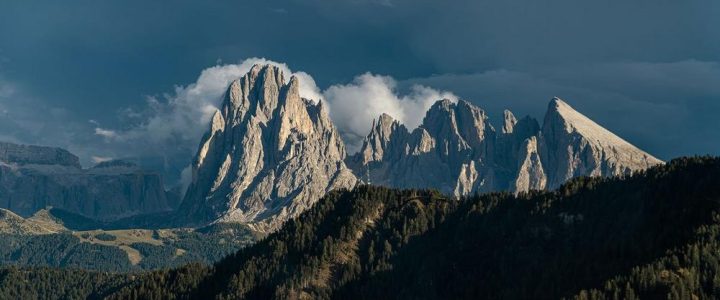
pixel 33 178
pixel 457 151
pixel 452 150
pixel 268 156
pixel 573 145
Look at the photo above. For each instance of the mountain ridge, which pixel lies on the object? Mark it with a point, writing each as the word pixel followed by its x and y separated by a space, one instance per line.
pixel 269 154
pixel 471 156
pixel 568 135
pixel 33 178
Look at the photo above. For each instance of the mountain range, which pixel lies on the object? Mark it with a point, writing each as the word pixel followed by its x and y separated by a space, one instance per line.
pixel 277 209
pixel 33 178
pixel 457 151
pixel 270 154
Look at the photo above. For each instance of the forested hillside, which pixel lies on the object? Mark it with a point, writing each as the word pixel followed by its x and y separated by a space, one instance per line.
pixel 124 250
pixel 650 235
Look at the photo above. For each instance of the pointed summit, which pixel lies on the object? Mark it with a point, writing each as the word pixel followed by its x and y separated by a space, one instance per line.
pixel 457 151
pixel 269 155
pixel 574 146
pixel 559 112
pixel 509 122
pixel 376 143
pixel 450 151
pixel 460 124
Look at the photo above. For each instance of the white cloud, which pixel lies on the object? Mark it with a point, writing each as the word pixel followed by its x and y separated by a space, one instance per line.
pixel 178 120
pixel 99 159
pixel 174 123
pixel 353 106
pixel 182 117
pixel 106 133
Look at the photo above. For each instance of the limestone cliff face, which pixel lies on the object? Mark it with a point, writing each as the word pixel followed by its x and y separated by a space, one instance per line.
pixel 512 149
pixel 452 150
pixel 573 145
pixel 457 151
pixel 530 172
pixel 38 155
pixel 33 178
pixel 269 155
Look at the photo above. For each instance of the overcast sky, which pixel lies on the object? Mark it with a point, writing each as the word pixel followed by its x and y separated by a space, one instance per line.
pixel 93 76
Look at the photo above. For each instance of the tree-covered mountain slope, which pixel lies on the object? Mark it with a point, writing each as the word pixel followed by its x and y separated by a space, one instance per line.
pixel 650 235
pixel 129 250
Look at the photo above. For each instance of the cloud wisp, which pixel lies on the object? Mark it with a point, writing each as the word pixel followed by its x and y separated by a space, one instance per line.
pixel 178 120
pixel 171 126
pixel 355 105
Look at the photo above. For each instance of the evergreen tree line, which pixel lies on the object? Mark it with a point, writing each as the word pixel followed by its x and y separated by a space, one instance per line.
pixel 653 234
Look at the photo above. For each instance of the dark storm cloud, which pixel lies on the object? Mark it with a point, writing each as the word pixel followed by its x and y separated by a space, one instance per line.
pixel 645 69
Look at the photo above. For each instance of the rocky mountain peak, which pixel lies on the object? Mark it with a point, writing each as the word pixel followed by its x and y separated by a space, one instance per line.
pixel 460 125
pixel 269 154
pixel 384 123
pixel 457 151
pixel 576 146
pixel 377 142
pixel 561 116
pixel 257 92
pixel 530 171
pixel 440 116
pixel 450 150
pixel 383 128
pixel 37 155
pixel 509 122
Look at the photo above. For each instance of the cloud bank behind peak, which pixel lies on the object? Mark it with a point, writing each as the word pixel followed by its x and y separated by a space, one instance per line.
pixel 175 121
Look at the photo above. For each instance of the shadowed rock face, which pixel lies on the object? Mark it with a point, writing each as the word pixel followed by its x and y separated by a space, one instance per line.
pixel 269 155
pixel 457 151
pixel 33 178
pixel 28 154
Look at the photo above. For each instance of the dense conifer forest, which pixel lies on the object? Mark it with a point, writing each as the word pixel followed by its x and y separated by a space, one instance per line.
pixel 650 235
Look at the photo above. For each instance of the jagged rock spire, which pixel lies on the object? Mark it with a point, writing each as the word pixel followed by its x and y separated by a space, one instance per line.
pixel 449 151
pixel 269 154
pixel 509 122
pixel 457 151
pixel 573 145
